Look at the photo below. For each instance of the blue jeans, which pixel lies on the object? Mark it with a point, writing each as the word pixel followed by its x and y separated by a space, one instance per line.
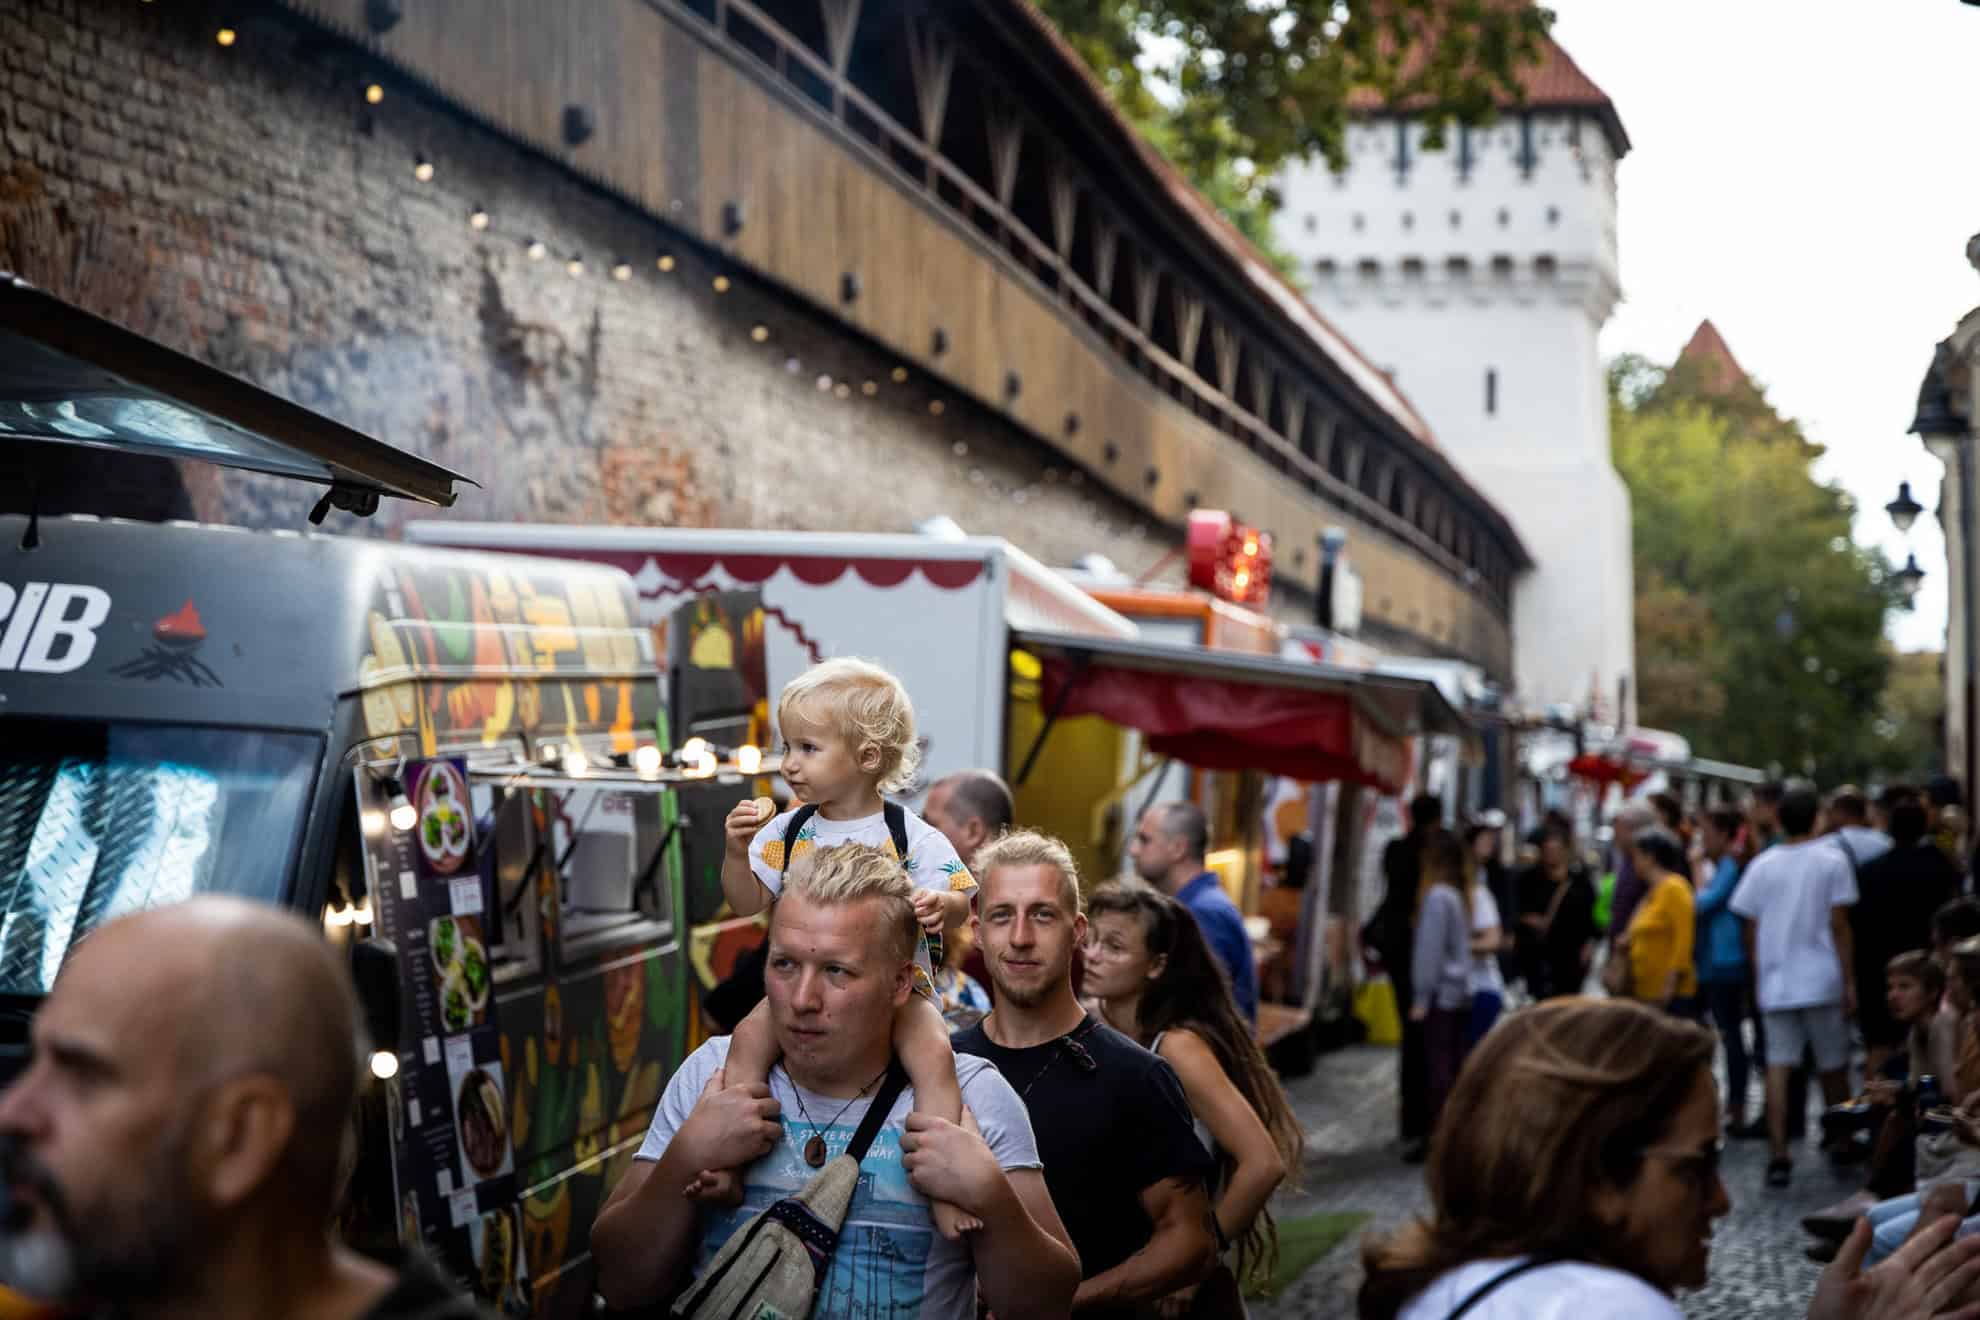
pixel 1728 1002
pixel 1485 1008
pixel 1892 1221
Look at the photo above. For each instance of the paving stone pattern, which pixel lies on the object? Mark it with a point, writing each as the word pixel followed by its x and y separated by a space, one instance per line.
pixel 1348 1107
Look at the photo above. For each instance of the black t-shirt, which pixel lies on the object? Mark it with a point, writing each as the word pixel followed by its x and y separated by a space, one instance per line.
pixel 1105 1133
pixel 423 1293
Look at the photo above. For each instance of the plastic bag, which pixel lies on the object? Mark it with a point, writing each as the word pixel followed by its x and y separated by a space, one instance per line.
pixel 1375 1006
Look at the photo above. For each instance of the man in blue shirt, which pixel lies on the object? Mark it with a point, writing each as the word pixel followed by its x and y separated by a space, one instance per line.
pixel 1168 851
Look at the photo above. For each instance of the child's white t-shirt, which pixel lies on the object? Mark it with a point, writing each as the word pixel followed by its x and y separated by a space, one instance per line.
pixel 931 862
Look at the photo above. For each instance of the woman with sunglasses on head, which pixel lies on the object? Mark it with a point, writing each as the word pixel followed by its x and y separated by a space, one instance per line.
pixel 1583 1180
pixel 1155 980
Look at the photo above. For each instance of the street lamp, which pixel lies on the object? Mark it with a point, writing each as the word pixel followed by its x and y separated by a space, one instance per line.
pixel 1904 510
pixel 1909 579
pixel 1947 437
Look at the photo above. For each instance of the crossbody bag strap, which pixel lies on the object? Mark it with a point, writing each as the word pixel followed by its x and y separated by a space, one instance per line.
pixel 1553 908
pixel 876 1114
pixel 794 827
pixel 1507 1275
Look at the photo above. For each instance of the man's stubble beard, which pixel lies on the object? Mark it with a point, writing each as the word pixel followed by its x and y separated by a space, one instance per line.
pixel 145 1249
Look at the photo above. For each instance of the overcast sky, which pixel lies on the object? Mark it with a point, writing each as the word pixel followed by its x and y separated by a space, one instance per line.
pixel 1803 173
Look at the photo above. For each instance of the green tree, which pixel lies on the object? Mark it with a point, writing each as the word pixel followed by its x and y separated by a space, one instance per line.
pixel 1912 727
pixel 1759 622
pixel 1231 92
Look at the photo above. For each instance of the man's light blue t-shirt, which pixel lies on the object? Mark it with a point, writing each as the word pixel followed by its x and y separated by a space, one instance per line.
pixel 890 1261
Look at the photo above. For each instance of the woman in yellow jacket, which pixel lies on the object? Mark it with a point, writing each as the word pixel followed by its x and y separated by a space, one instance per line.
pixel 1663 931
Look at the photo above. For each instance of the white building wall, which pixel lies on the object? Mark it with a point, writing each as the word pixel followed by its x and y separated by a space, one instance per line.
pixel 1483 290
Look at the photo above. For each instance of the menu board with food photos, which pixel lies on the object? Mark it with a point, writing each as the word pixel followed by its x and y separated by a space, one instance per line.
pixel 452 1157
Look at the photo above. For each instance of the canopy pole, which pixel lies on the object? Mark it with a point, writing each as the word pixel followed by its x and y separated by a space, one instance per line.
pixel 1161 778
pixel 1079 663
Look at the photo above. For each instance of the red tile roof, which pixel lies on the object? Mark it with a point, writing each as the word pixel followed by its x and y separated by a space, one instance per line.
pixel 1553 82
pixel 1718 369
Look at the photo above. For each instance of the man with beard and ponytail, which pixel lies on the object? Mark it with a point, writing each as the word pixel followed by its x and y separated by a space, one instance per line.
pixel 174 1147
pixel 1122 1160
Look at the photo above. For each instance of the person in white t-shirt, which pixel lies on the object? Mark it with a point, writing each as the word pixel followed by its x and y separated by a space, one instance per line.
pixel 1796 897
pixel 1488 936
pixel 1585 1182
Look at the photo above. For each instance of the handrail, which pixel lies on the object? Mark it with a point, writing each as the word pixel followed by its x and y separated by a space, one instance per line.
pixel 1313 476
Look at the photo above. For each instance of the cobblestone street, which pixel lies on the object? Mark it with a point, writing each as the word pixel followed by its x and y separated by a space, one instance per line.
pixel 1759 1271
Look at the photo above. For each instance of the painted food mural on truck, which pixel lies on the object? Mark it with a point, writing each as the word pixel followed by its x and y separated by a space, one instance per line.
pixel 447 643
pixel 561 1052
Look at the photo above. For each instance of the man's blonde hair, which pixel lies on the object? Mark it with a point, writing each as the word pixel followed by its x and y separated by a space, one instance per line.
pixel 1028 848
pixel 864 704
pixel 854 872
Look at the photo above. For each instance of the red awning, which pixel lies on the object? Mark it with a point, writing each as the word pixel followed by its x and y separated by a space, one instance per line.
pixel 1222 711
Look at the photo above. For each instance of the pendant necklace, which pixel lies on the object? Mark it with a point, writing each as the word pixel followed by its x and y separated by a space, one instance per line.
pixel 814 1147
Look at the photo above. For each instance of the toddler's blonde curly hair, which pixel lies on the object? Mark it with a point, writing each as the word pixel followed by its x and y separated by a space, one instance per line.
pixel 864 704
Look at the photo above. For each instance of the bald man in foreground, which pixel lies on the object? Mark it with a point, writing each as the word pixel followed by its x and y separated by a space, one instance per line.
pixel 173 1149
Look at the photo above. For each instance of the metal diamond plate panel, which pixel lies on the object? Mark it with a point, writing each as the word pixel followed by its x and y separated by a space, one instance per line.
pixel 81 842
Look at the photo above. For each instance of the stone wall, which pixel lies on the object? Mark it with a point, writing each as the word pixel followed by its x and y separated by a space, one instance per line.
pixel 244 205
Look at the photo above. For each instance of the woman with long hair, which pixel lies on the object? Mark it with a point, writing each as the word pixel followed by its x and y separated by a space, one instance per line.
pixel 1584 1181
pixel 1441 961
pixel 1156 981
pixel 1489 941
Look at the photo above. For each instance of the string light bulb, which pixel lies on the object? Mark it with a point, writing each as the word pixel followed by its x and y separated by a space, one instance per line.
pixel 692 749
pixel 869 389
pixel 400 811
pixel 478 219
pixel 575 266
pixel 226 36
pixel 576 764
pixel 721 283
pixel 622 271
pixel 646 760
pixel 536 249
pixel 373 94
pixel 749 759
pixel 842 391
pixel 759 333
pixel 384 1065
pixel 664 261
pixel 936 407
pixel 423 170
pixel 900 375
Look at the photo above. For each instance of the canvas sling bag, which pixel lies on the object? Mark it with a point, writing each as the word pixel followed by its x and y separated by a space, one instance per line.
pixel 772 1268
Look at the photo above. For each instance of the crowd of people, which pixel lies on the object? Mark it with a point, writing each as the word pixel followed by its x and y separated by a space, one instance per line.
pixel 975 1085
pixel 1093 1129
pixel 1584 1175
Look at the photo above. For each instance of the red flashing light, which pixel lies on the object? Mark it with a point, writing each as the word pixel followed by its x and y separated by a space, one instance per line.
pixel 1229 559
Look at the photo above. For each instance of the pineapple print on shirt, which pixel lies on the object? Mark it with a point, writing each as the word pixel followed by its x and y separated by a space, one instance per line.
pixel 931 862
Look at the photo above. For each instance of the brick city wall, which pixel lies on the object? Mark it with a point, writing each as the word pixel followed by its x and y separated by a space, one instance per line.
pixel 242 205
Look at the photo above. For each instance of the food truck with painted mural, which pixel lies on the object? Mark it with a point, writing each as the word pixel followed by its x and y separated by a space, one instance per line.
pixel 1086 701
pixel 459 762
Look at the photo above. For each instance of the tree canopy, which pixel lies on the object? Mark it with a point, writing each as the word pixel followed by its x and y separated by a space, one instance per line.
pixel 1230 92
pixel 1759 622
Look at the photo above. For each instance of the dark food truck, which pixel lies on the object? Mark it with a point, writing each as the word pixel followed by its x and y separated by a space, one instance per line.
pixel 460 762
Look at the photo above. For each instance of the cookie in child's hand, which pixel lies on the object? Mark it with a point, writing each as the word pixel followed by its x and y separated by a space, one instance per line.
pixel 765 810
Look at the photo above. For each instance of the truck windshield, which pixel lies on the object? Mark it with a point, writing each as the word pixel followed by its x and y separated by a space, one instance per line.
pixel 97 820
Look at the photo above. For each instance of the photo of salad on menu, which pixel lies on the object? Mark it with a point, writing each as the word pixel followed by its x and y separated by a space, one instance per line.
pixel 460 971
pixel 446 831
